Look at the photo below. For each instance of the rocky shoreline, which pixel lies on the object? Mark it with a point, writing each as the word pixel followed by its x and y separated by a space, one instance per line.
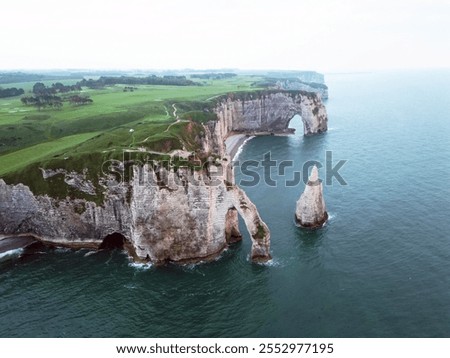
pixel 234 144
pixel 10 243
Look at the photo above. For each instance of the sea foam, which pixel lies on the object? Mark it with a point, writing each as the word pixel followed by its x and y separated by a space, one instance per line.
pixel 140 266
pixel 11 253
pixel 239 151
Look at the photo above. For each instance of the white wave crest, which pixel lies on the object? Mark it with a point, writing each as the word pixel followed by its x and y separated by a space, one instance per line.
pixel 271 263
pixel 89 253
pixel 11 253
pixel 140 266
pixel 239 151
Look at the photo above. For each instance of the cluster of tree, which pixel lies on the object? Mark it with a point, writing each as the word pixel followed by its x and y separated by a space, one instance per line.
pixel 214 76
pixel 129 89
pixel 79 100
pixel 51 101
pixel 90 83
pixel 11 92
pixel 40 89
pixel 43 101
pixel 129 80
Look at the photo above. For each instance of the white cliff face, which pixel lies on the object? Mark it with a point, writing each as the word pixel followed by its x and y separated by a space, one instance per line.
pixel 190 222
pixel 71 222
pixel 271 113
pixel 169 217
pixel 311 211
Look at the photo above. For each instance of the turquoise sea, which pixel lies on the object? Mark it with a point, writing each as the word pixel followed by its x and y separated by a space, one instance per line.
pixel 379 268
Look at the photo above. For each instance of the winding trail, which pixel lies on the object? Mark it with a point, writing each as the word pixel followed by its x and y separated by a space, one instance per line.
pixel 171 124
pixel 217 95
pixel 167 112
pixel 178 120
pixel 175 111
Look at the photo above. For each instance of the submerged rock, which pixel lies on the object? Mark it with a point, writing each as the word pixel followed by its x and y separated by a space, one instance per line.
pixel 311 211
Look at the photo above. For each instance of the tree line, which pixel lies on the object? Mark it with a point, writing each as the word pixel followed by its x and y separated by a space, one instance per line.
pixel 52 101
pixel 11 92
pixel 214 76
pixel 46 97
pixel 129 80
pixel 16 77
pixel 40 89
pixel 49 96
pixel 43 101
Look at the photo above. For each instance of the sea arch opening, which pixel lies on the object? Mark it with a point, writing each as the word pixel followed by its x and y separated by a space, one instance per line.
pixel 258 230
pixel 232 232
pixel 296 125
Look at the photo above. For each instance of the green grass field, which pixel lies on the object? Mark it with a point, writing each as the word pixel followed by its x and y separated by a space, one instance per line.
pixel 23 157
pixel 30 137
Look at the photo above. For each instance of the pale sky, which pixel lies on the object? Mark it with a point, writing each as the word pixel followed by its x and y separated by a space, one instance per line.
pixel 322 35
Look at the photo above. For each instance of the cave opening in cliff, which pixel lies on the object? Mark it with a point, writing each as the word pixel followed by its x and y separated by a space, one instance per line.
pixel 113 241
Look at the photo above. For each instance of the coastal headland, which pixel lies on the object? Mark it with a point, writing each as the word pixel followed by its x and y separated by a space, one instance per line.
pixel 113 188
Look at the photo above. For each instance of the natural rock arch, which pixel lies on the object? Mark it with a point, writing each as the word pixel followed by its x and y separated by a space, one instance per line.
pixel 258 230
pixel 232 233
pixel 295 118
pixel 272 112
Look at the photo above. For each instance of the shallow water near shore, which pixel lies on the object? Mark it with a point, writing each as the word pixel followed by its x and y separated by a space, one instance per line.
pixel 379 268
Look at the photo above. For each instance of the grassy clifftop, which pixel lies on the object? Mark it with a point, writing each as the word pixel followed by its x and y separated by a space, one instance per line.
pixel 154 118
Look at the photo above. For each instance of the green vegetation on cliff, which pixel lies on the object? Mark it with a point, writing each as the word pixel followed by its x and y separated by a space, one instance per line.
pixel 149 121
pixel 154 118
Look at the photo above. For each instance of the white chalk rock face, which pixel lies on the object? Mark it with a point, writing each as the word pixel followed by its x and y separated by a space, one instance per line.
pixel 311 211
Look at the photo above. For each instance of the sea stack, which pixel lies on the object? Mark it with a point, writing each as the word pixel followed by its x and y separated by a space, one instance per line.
pixel 311 211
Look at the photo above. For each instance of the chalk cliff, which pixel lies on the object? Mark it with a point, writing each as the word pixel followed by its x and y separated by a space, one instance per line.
pixel 263 113
pixel 311 210
pixel 163 214
pixel 178 217
pixel 271 112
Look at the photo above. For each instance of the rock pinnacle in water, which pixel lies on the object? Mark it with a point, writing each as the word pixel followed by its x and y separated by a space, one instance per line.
pixel 311 211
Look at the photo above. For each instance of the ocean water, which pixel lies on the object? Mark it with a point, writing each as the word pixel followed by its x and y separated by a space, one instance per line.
pixel 379 268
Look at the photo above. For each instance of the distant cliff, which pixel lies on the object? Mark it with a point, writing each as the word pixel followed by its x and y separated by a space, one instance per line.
pixel 319 88
pixel 265 112
pixel 167 214
pixel 272 111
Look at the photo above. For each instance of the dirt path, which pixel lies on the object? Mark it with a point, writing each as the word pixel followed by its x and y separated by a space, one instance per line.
pixel 175 111
pixel 167 112
pixel 213 97
pixel 178 120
